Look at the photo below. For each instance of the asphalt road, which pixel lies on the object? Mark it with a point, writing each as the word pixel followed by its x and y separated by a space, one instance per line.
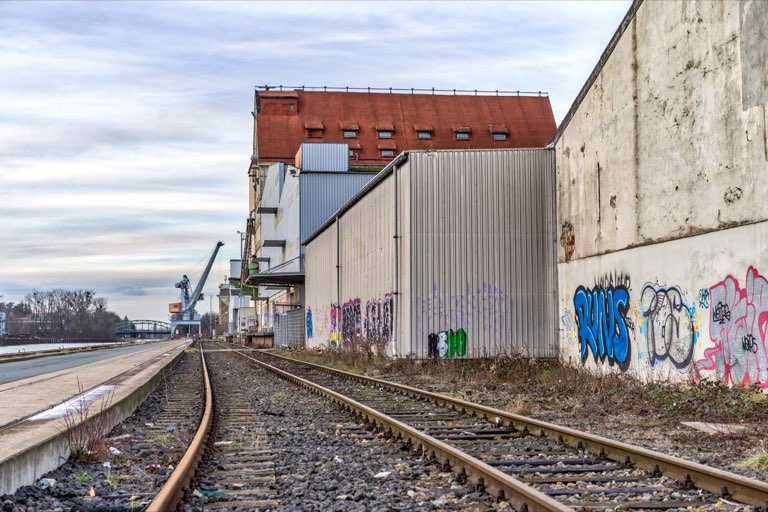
pixel 18 370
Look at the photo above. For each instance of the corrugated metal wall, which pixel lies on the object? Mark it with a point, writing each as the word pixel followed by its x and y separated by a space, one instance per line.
pixel 320 290
pixel 289 329
pixel 322 194
pixel 324 157
pixel 482 252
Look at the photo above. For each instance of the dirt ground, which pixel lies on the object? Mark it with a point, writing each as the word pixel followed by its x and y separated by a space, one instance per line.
pixel 610 405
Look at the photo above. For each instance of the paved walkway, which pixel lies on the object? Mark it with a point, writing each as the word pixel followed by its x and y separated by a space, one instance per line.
pixel 17 370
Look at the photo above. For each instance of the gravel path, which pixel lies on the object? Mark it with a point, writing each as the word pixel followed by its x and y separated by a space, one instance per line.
pixel 325 460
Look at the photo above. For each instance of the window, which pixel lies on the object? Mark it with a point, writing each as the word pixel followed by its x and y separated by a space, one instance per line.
pixel 424 135
pixel 462 136
pixel 314 133
pixel 385 134
pixel 350 134
pixel 499 136
pixel 292 107
pixel 387 152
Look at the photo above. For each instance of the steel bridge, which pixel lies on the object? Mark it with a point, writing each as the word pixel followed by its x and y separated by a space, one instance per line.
pixel 142 329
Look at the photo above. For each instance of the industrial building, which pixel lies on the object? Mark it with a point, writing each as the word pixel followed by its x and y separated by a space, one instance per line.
pixel 661 185
pixel 443 254
pixel 296 200
pixel 373 127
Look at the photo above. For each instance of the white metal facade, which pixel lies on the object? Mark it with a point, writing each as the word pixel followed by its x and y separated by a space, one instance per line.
pixel 444 254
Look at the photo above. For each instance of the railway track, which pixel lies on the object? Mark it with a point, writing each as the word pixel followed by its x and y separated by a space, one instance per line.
pixel 532 464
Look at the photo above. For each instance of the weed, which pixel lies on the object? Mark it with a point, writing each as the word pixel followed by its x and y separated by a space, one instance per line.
pixel 279 396
pixel 86 431
pixel 758 461
pixel 81 477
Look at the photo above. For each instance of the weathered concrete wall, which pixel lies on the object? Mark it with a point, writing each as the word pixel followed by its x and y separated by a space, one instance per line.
pixel 686 309
pixel 665 155
pixel 663 145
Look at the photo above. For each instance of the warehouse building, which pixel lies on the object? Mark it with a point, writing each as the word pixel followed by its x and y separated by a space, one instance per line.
pixel 662 167
pixel 442 254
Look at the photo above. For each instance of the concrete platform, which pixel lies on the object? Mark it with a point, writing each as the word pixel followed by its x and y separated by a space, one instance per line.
pixel 33 437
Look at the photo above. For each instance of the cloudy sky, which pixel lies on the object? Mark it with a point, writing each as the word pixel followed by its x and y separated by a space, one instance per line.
pixel 125 128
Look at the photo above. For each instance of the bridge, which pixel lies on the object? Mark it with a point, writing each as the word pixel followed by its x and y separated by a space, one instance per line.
pixel 142 329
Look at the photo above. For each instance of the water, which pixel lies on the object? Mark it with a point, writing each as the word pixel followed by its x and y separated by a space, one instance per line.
pixel 37 347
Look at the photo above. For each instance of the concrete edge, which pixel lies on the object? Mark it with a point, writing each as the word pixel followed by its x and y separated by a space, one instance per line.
pixel 10 358
pixel 27 466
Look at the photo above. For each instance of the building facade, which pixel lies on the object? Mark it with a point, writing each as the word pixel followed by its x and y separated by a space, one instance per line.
pixel 443 254
pixel 661 186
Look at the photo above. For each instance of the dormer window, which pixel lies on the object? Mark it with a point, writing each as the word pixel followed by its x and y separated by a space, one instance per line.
pixel 349 129
pixel 385 130
pixel 423 131
pixel 499 132
pixel 462 132
pixel 387 153
pixel 315 129
pixel 387 148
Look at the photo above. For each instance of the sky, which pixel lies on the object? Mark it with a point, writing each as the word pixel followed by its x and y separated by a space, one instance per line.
pixel 126 127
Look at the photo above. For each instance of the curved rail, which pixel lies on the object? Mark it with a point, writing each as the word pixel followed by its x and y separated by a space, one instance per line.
pixel 728 485
pixel 172 492
pixel 491 479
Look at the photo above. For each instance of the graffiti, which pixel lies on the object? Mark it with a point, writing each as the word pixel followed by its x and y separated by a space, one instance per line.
pixel 334 330
pixel 351 325
pixel 448 344
pixel 749 343
pixel 614 280
pixel 704 298
pixel 378 322
pixel 737 327
pixel 602 325
pixel 721 313
pixel 669 326
pixel 487 310
pixel 309 322
pixel 568 240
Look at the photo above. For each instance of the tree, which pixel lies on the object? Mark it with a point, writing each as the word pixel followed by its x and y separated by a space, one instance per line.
pixel 70 313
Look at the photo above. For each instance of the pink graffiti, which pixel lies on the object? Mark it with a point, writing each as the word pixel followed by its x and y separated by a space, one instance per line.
pixel 738 322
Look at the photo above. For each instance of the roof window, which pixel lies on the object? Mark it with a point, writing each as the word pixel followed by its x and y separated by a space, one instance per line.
pixel 499 132
pixel 385 134
pixel 387 153
pixel 462 135
pixel 424 135
pixel 350 134
pixel 314 129
pixel 423 131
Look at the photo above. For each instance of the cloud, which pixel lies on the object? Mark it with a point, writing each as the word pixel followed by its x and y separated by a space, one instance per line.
pixel 126 128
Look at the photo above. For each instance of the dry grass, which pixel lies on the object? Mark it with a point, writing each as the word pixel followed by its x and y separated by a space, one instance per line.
pixel 758 461
pixel 86 431
pixel 526 386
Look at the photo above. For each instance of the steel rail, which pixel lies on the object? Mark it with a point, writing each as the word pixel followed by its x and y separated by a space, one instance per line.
pixel 492 480
pixel 723 483
pixel 172 492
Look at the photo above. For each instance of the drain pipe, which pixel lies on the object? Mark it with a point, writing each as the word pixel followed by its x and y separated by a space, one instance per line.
pixel 396 264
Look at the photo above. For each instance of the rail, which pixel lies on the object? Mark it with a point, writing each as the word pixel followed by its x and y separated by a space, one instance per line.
pixel 411 90
pixel 172 492
pixel 492 480
pixel 723 483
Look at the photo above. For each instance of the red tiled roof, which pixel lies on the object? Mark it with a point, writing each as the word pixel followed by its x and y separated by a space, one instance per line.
pixel 281 128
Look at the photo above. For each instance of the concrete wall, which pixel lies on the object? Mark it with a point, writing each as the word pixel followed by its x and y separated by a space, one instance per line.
pixel 664 157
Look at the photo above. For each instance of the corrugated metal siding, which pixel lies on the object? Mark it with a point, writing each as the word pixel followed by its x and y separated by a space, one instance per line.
pixel 366 253
pixel 322 194
pixel 320 289
pixel 482 250
pixel 324 157
pixel 289 329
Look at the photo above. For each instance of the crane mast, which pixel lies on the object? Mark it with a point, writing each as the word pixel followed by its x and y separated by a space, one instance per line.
pixel 183 312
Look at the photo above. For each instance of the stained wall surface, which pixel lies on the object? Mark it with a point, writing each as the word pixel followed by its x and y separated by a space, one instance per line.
pixel 661 185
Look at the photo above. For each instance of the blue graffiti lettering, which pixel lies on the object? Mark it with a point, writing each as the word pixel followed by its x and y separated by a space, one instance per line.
pixel 601 317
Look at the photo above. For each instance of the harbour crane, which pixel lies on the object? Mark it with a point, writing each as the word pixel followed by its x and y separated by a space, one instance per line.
pixel 183 312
